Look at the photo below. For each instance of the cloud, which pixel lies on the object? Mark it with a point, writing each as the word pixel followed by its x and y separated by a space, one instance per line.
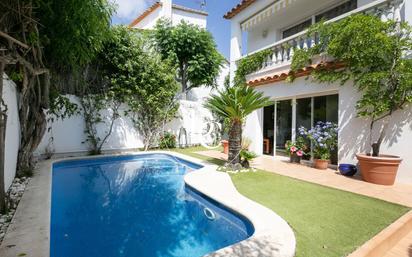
pixel 127 10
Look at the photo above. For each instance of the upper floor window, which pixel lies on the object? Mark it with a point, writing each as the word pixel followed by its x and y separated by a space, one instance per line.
pixel 338 10
pixel 297 28
pixel 326 15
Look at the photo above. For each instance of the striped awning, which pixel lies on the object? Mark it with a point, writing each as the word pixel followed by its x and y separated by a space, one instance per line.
pixel 273 9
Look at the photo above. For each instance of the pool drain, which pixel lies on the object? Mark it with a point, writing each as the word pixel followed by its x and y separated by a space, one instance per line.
pixel 209 214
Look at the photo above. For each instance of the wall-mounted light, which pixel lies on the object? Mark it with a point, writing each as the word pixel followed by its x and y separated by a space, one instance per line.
pixel 264 33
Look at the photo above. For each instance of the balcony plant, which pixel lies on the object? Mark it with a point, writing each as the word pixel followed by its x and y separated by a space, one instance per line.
pixel 296 149
pixel 374 54
pixel 324 138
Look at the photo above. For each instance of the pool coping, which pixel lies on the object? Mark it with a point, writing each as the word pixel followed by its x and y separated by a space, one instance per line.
pixel 29 231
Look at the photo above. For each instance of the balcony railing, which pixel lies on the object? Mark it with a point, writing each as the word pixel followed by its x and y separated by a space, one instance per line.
pixel 282 51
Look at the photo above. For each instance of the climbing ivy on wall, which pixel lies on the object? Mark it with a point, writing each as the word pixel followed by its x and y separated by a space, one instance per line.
pixel 250 64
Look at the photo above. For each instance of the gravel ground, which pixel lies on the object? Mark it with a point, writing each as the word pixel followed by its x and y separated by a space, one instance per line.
pixel 15 193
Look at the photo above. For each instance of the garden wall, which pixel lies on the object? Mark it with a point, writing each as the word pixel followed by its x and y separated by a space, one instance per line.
pixel 66 136
pixel 12 131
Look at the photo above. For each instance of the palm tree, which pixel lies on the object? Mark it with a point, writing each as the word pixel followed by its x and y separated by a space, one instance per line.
pixel 234 104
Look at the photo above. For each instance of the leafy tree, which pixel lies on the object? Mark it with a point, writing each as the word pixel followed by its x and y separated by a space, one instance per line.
pixel 92 105
pixel 373 53
pixel 234 104
pixel 192 51
pixel 73 31
pixel 47 33
pixel 147 83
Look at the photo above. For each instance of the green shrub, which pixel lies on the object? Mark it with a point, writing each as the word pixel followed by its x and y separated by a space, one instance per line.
pixel 167 141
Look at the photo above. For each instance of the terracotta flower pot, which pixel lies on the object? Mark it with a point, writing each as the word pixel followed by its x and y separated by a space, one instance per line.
pixel 321 164
pixel 225 145
pixel 379 170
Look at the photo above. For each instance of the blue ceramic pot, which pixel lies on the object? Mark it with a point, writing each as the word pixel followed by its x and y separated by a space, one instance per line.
pixel 347 169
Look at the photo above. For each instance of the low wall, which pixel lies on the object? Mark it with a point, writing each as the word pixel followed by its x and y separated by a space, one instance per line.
pixel 12 131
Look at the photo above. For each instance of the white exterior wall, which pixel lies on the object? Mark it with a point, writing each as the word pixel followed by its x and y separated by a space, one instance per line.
pixel 12 131
pixel 193 18
pixel 149 22
pixel 68 134
pixel 200 94
pixel 353 132
pixel 174 14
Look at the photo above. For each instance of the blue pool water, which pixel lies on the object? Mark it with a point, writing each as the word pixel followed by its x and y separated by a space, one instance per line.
pixel 136 206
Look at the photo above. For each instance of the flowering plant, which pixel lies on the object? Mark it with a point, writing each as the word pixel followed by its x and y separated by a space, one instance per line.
pixel 297 147
pixel 324 137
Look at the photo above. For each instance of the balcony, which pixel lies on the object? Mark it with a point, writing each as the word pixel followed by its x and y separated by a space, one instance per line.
pixel 282 51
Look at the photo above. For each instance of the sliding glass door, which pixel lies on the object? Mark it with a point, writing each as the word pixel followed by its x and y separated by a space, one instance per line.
pixel 283 125
pixel 292 114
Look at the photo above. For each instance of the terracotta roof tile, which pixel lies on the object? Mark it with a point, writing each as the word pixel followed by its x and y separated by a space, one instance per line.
pixel 145 14
pixel 283 75
pixel 238 8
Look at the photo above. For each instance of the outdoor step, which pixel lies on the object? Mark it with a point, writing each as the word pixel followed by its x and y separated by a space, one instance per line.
pixel 402 249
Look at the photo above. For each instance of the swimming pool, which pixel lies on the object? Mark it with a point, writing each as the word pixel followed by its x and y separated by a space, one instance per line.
pixel 136 205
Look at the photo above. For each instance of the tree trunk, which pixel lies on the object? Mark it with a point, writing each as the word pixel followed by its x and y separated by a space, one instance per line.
pixel 33 125
pixel 235 142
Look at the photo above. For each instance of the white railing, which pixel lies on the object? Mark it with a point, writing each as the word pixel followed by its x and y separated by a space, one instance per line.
pixel 282 51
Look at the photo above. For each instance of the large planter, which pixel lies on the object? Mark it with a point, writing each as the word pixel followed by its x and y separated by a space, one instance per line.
pixel 225 145
pixel 320 164
pixel 380 170
pixel 294 158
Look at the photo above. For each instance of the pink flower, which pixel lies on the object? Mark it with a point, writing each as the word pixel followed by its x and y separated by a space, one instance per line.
pixel 293 149
pixel 299 153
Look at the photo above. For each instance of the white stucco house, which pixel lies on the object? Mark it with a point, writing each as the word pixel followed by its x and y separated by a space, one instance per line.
pixel 166 9
pixel 270 24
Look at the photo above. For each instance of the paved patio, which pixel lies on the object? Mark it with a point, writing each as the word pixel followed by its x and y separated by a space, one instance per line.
pixel 398 193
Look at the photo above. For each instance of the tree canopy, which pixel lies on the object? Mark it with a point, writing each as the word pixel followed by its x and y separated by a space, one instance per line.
pixel 73 31
pixel 191 50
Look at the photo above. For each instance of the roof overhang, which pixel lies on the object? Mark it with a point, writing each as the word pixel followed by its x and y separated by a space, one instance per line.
pixel 238 8
pixel 283 75
pixel 190 10
pixel 145 14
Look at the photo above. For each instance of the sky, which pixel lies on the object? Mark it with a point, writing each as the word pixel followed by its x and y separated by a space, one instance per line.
pixel 128 10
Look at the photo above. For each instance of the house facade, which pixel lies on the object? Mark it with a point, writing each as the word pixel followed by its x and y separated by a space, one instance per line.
pixel 168 10
pixel 267 24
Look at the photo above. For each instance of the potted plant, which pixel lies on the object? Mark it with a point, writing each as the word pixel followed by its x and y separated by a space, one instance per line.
pixel 324 138
pixel 246 156
pixel 373 54
pixel 296 149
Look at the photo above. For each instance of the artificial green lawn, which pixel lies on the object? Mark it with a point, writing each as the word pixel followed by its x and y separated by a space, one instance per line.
pixel 327 222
